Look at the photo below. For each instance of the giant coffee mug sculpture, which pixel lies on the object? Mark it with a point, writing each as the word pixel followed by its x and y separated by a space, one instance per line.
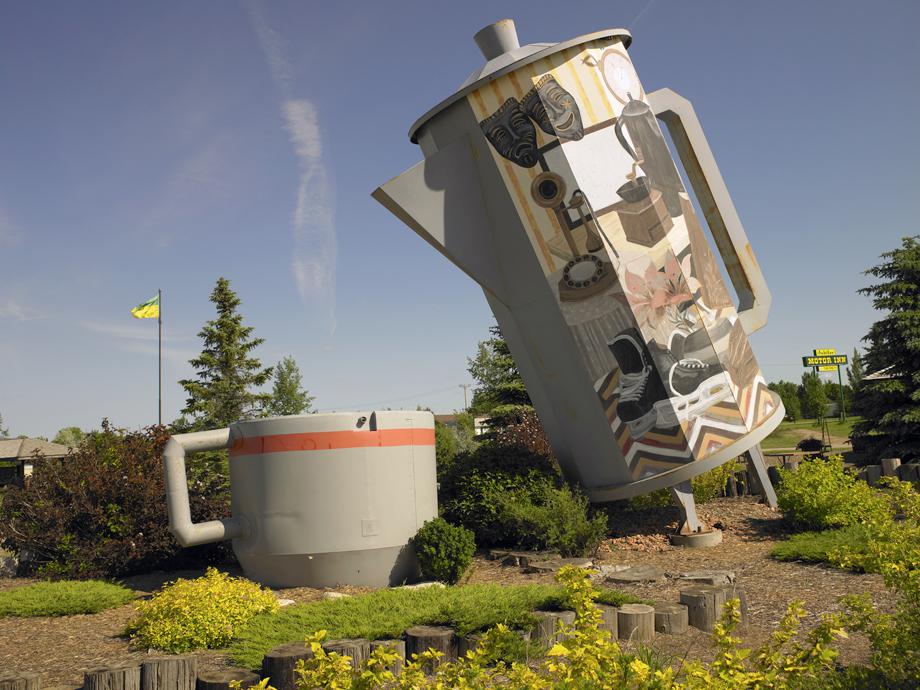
pixel 317 500
pixel 547 180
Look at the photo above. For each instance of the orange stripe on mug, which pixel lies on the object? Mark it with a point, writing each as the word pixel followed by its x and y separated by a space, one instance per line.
pixel 332 440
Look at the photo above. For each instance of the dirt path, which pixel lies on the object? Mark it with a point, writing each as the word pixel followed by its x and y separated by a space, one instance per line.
pixel 61 649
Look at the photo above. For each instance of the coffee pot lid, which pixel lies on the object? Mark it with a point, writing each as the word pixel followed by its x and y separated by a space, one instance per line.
pixel 499 44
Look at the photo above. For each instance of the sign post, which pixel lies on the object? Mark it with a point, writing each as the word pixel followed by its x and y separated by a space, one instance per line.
pixel 827 359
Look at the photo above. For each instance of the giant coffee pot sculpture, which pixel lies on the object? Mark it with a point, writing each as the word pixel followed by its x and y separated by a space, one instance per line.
pixel 547 180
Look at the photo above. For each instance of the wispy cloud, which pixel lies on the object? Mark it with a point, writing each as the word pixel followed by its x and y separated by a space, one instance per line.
pixel 176 355
pixel 313 222
pixel 13 309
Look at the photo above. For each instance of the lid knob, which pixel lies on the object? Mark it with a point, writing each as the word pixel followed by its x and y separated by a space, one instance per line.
pixel 497 39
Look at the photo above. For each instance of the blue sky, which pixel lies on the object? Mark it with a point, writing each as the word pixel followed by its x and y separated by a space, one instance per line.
pixel 162 145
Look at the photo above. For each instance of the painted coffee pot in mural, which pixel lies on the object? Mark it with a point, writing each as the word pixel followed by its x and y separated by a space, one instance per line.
pixel 548 181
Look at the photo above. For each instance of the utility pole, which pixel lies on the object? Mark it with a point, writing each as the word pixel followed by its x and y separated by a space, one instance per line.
pixel 465 387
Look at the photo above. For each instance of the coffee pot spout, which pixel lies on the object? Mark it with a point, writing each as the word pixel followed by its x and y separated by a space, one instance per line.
pixel 440 199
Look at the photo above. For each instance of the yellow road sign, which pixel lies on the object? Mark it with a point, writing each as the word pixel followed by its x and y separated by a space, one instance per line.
pixel 827 368
pixel 825 351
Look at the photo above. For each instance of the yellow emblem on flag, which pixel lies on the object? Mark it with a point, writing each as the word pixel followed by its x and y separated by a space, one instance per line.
pixel 148 310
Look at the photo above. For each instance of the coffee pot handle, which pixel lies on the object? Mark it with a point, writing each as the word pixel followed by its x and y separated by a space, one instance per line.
pixel 700 165
pixel 190 533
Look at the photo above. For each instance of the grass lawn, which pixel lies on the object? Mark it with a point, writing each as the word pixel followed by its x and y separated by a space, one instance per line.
pixel 788 434
pixel 63 598
pixel 387 613
pixel 815 547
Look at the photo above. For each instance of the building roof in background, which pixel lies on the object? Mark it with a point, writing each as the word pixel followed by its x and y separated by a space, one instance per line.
pixel 880 375
pixel 24 448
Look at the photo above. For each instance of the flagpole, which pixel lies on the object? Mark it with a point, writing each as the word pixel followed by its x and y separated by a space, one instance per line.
pixel 160 357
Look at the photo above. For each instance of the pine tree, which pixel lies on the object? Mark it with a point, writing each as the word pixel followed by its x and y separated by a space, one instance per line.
pixel 4 432
pixel 288 397
pixel 855 370
pixel 500 392
pixel 890 403
pixel 227 372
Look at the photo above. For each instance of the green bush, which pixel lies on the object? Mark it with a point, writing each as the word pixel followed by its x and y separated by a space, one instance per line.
pixel 63 598
pixel 820 547
pixel 469 486
pixel 710 485
pixel 101 511
pixel 445 444
pixel 821 494
pixel 552 518
pixel 444 550
pixel 206 612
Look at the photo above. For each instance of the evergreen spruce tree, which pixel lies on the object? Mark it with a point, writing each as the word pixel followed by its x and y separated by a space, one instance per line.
pixel 4 432
pixel 890 404
pixel 227 373
pixel 288 396
pixel 855 370
pixel 500 392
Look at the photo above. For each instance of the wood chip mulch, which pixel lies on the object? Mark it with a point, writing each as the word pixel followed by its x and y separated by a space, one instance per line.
pixel 61 649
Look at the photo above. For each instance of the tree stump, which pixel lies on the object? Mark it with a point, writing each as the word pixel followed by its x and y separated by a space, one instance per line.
pixel 873 474
pixel 23 681
pixel 358 649
pixel 220 680
pixel 636 622
pixel 671 619
pixel 734 591
pixel 890 466
pixel 731 488
pixel 791 465
pixel 546 631
pixel 279 664
pixel 421 638
pixel 773 474
pixel 399 646
pixel 118 677
pixel 467 643
pixel 704 605
pixel 169 673
pixel 609 619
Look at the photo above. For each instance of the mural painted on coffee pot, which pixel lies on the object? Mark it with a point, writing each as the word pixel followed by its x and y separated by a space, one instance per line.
pixel 594 183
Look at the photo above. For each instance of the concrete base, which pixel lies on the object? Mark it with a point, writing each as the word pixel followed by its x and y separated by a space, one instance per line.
pixel 697 540
pixel 388 567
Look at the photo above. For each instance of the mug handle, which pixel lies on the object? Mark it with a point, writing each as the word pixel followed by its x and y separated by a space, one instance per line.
pixel 190 533
pixel 700 165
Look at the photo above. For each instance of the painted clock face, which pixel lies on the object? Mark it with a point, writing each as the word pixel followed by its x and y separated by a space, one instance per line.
pixel 620 76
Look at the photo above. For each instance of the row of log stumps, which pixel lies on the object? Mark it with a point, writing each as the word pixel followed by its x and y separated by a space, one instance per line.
pixel 700 606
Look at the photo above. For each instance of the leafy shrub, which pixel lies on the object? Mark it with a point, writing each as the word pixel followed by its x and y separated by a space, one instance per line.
pixel 552 518
pixel 810 445
pixel 587 657
pixel 706 487
pixel 101 511
pixel 202 613
pixel 445 444
pixel 444 550
pixel 710 485
pixel 820 547
pixel 821 494
pixel 526 432
pixel 468 488
pixel 63 598
pixel 892 549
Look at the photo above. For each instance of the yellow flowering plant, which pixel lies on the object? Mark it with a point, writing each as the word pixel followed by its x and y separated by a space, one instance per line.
pixel 202 613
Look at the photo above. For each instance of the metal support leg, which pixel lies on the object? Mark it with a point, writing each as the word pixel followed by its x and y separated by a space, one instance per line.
pixel 758 467
pixel 683 496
